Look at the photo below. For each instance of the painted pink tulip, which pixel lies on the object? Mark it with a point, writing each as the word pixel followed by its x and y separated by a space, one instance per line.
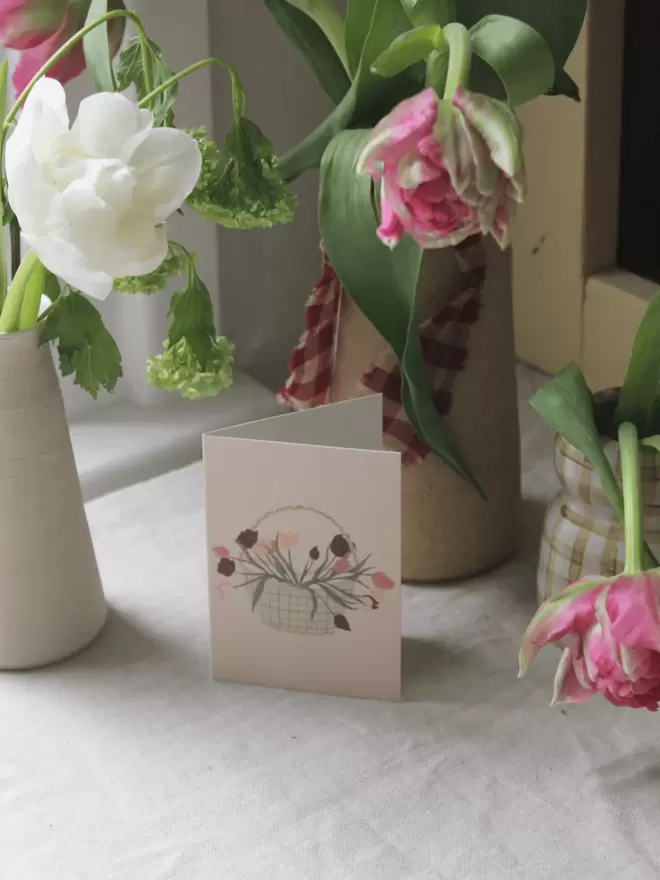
pixel 264 547
pixel 611 632
pixel 221 552
pixel 288 540
pixel 447 170
pixel 341 566
pixel 38 28
pixel 382 581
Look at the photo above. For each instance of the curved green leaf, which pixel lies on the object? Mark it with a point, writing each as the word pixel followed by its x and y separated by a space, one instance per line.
pixel 422 12
pixel 558 21
pixel 639 400
pixel 96 46
pixel 325 15
pixel 408 49
pixel 565 85
pixel 370 97
pixel 359 16
pixel 517 53
pixel 382 283
pixel 313 44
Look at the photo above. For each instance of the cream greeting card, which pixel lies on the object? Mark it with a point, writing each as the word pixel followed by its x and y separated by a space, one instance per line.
pixel 303 526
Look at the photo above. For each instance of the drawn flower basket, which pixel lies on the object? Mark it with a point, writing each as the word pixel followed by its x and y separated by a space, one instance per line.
pixel 302 572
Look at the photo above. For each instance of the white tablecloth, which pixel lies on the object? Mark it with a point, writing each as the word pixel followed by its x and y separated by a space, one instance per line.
pixel 129 763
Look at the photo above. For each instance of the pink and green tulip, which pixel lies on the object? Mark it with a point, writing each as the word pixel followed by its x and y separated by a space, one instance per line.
pixel 448 169
pixel 38 28
pixel 610 629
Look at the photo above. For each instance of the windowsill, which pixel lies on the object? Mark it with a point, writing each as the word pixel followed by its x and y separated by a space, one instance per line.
pixel 124 443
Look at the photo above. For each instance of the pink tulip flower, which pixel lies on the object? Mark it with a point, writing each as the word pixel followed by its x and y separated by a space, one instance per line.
pixel 38 28
pixel 611 632
pixel 341 566
pixel 288 540
pixel 381 581
pixel 448 170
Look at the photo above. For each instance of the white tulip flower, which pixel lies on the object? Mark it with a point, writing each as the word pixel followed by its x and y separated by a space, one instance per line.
pixel 92 200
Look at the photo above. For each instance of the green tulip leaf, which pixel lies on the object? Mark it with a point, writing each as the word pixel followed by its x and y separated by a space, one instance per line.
pixel 652 442
pixel 382 283
pixel 568 406
pixel 315 47
pixel 359 16
pixel 408 49
pixel 370 97
pixel 639 400
pixel 96 45
pixel 565 85
pixel 558 21
pixel 517 53
pixel 422 12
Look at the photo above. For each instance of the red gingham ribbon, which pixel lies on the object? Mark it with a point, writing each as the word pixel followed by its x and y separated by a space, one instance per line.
pixel 311 363
pixel 444 340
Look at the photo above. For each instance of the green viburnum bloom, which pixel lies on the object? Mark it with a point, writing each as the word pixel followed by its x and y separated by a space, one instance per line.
pixel 194 360
pixel 240 186
pixel 180 368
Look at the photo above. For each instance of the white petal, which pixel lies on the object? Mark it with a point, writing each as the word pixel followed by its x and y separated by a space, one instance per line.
pixel 106 122
pixel 117 246
pixel 144 246
pixel 89 224
pixel 67 263
pixel 166 164
pixel 30 195
pixel 43 120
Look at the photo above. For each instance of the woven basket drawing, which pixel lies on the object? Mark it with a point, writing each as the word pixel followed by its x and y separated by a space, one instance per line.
pixel 281 605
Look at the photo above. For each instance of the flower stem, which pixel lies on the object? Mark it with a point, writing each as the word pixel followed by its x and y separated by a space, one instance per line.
pixel 15 244
pixel 62 51
pixel 32 299
pixel 460 57
pixel 632 500
pixel 237 91
pixel 14 302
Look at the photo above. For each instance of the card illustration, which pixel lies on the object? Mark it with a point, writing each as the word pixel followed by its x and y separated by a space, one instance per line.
pixel 301 580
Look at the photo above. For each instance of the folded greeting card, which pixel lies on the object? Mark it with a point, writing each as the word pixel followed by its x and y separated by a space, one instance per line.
pixel 304 533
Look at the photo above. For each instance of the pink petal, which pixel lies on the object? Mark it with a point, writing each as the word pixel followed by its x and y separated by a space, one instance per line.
pixel 341 566
pixel 382 581
pixel 568 688
pixel 400 132
pixel 391 228
pixel 73 63
pixel 221 552
pixel 27 23
pixel 633 613
pixel 572 611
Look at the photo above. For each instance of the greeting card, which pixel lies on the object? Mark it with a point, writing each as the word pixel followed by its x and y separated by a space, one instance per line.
pixel 304 534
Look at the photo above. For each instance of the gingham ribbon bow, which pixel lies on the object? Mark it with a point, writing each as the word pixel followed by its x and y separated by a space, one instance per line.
pixel 444 341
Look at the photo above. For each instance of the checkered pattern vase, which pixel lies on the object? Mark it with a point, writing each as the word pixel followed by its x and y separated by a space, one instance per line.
pixel 444 340
pixel 581 534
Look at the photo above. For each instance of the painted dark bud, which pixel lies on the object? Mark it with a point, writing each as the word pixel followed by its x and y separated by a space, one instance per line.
pixel 342 623
pixel 340 546
pixel 226 567
pixel 247 539
pixel 315 554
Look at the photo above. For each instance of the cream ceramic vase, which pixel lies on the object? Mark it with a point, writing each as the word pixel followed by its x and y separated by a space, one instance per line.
pixel 448 531
pixel 581 533
pixel 51 599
